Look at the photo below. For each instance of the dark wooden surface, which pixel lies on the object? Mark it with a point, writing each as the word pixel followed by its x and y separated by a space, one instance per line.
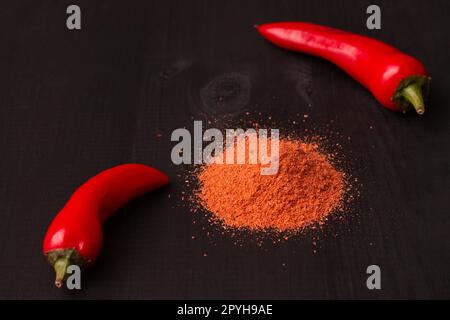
pixel 74 103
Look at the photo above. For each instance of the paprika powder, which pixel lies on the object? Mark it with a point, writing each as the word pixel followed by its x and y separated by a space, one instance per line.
pixel 304 192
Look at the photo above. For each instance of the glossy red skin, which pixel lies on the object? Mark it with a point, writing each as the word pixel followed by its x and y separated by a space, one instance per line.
pixel 376 65
pixel 79 224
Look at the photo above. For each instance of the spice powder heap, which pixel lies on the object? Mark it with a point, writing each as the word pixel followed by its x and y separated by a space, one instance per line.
pixel 306 189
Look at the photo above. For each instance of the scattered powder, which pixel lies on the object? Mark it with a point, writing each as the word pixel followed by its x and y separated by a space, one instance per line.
pixel 304 192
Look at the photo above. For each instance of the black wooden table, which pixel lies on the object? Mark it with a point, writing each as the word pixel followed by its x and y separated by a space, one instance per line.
pixel 73 103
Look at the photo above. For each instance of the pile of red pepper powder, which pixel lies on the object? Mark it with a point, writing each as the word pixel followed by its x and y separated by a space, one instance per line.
pixel 304 192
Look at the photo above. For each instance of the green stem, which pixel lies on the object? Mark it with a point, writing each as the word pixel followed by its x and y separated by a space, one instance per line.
pixel 60 267
pixel 413 93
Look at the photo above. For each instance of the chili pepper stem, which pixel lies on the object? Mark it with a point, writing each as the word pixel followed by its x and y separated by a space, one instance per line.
pixel 60 267
pixel 413 94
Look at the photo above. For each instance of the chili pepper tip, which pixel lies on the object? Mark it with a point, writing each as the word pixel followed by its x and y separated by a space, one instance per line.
pixel 413 94
pixel 60 267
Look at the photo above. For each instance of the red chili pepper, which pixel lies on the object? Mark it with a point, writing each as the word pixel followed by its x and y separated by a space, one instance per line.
pixel 395 79
pixel 75 235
